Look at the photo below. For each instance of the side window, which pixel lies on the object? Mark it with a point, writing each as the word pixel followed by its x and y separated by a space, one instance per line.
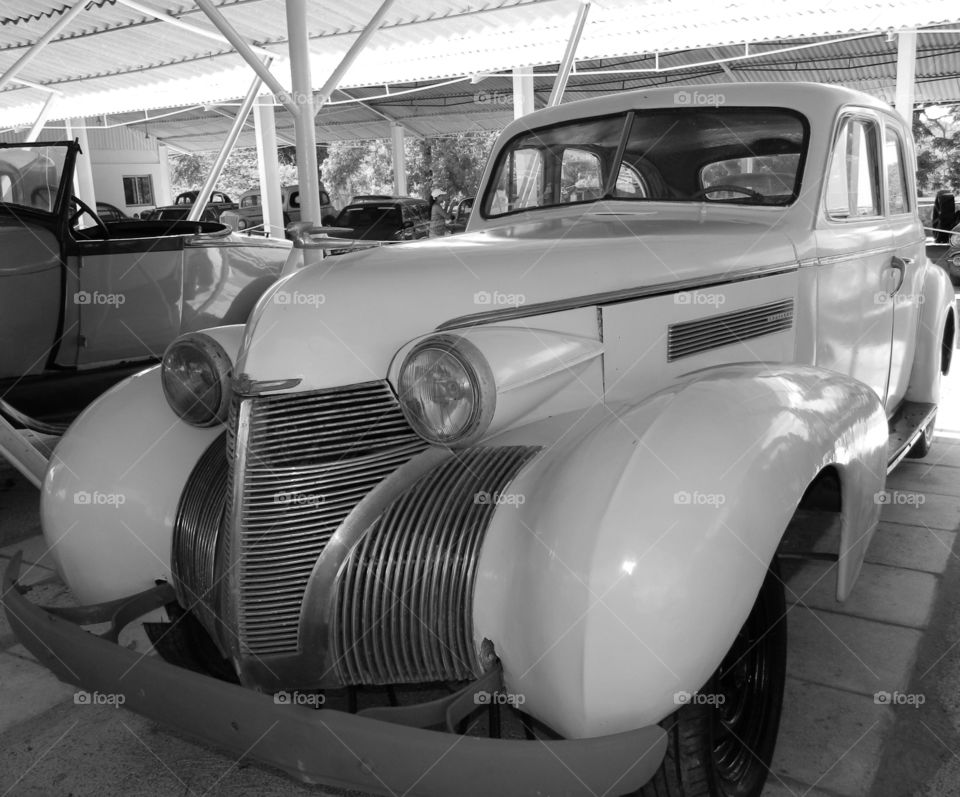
pixel 324 198
pixel 897 201
pixel 630 184
pixel 853 181
pixel 580 176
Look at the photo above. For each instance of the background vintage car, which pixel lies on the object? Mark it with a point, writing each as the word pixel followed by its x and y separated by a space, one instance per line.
pixel 180 209
pixel 394 219
pixel 78 299
pixel 550 461
pixel 459 215
pixel 248 216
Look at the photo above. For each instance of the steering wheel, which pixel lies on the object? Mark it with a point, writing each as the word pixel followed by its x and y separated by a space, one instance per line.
pixel 738 189
pixel 83 207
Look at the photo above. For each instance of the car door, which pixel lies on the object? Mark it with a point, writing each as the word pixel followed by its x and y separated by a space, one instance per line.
pixel 908 258
pixel 854 257
pixel 126 296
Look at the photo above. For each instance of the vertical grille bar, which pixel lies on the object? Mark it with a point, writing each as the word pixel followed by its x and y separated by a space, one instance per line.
pixel 404 605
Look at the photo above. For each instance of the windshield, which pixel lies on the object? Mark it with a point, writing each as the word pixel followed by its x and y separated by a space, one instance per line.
pixel 30 175
pixel 731 155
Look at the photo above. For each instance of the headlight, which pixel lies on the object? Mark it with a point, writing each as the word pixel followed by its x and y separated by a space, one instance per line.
pixel 242 224
pixel 447 390
pixel 955 239
pixel 196 375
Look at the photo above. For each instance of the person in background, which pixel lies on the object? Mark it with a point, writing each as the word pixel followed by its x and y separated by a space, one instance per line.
pixel 438 217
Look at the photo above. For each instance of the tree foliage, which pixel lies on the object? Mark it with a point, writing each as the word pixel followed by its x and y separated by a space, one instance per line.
pixel 936 132
pixel 454 163
pixel 240 172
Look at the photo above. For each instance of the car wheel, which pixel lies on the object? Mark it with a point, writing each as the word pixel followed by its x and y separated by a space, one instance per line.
pixel 925 442
pixel 721 743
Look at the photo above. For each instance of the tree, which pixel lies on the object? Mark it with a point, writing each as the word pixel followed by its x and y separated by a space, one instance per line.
pixel 240 172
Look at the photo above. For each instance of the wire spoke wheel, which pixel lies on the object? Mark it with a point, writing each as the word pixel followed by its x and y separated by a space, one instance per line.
pixel 722 743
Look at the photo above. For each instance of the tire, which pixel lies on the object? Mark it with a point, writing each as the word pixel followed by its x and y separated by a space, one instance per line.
pixel 925 442
pixel 722 745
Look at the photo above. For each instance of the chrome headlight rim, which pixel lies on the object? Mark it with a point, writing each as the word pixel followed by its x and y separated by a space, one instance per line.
pixel 483 387
pixel 221 367
pixel 954 240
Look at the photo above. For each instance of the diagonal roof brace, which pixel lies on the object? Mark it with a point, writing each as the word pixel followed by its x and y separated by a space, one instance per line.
pixel 67 17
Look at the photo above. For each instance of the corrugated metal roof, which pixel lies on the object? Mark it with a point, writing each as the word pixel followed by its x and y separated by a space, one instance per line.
pixel 113 60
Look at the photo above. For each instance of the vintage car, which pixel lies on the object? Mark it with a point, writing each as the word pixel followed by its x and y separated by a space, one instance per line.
pixel 78 299
pixel 399 218
pixel 508 506
pixel 459 215
pixel 248 216
pixel 184 202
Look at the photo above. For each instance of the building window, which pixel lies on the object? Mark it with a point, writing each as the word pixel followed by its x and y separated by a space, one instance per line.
pixel 138 190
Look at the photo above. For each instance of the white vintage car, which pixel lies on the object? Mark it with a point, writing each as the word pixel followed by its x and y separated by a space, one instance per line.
pixel 547 465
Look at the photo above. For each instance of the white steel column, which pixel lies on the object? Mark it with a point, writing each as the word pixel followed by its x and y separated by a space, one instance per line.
pixel 162 189
pixel 41 119
pixel 399 161
pixel 906 72
pixel 204 196
pixel 522 91
pixel 560 83
pixel 270 198
pixel 83 173
pixel 303 114
pixel 65 19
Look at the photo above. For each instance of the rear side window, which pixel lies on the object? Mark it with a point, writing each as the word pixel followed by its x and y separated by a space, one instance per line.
pixel 853 182
pixel 897 201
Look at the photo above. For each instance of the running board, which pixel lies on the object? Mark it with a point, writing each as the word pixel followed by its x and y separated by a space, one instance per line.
pixel 16 447
pixel 905 429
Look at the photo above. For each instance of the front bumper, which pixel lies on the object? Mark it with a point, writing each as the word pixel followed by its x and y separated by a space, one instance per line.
pixel 382 755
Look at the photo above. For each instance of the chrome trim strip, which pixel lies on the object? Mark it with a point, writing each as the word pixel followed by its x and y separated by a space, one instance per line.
pixel 614 297
pixel 882 250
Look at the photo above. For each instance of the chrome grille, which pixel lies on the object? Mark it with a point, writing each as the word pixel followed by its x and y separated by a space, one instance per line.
pixel 305 460
pixel 195 532
pixel 703 334
pixel 404 606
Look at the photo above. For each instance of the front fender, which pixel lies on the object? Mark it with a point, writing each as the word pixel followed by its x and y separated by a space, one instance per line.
pixel 634 556
pixel 110 494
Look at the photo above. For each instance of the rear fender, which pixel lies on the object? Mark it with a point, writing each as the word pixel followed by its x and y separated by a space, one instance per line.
pixel 936 337
pixel 626 562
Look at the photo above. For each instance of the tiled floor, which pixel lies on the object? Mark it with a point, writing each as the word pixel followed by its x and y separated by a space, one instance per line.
pixel 898 634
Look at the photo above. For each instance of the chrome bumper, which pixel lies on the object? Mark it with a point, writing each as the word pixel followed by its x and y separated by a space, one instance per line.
pixel 384 751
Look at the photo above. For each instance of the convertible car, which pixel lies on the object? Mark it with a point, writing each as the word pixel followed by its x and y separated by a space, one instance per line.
pixel 501 513
pixel 78 294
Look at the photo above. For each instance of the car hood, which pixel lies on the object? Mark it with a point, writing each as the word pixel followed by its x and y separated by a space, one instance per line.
pixel 342 321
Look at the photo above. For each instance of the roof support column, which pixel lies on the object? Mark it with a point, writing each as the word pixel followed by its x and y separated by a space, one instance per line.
pixel 163 193
pixel 399 161
pixel 522 91
pixel 906 72
pixel 204 196
pixel 83 172
pixel 303 114
pixel 270 197
pixel 65 19
pixel 41 119
pixel 563 74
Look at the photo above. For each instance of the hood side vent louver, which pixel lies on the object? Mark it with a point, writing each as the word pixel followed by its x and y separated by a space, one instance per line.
pixel 703 334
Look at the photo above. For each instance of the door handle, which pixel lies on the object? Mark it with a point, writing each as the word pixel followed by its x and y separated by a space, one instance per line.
pixel 899 264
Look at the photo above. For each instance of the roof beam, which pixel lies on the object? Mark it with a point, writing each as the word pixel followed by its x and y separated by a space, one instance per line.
pixel 246 52
pixel 43 41
pixel 285 140
pixel 393 120
pixel 563 73
pixel 163 16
